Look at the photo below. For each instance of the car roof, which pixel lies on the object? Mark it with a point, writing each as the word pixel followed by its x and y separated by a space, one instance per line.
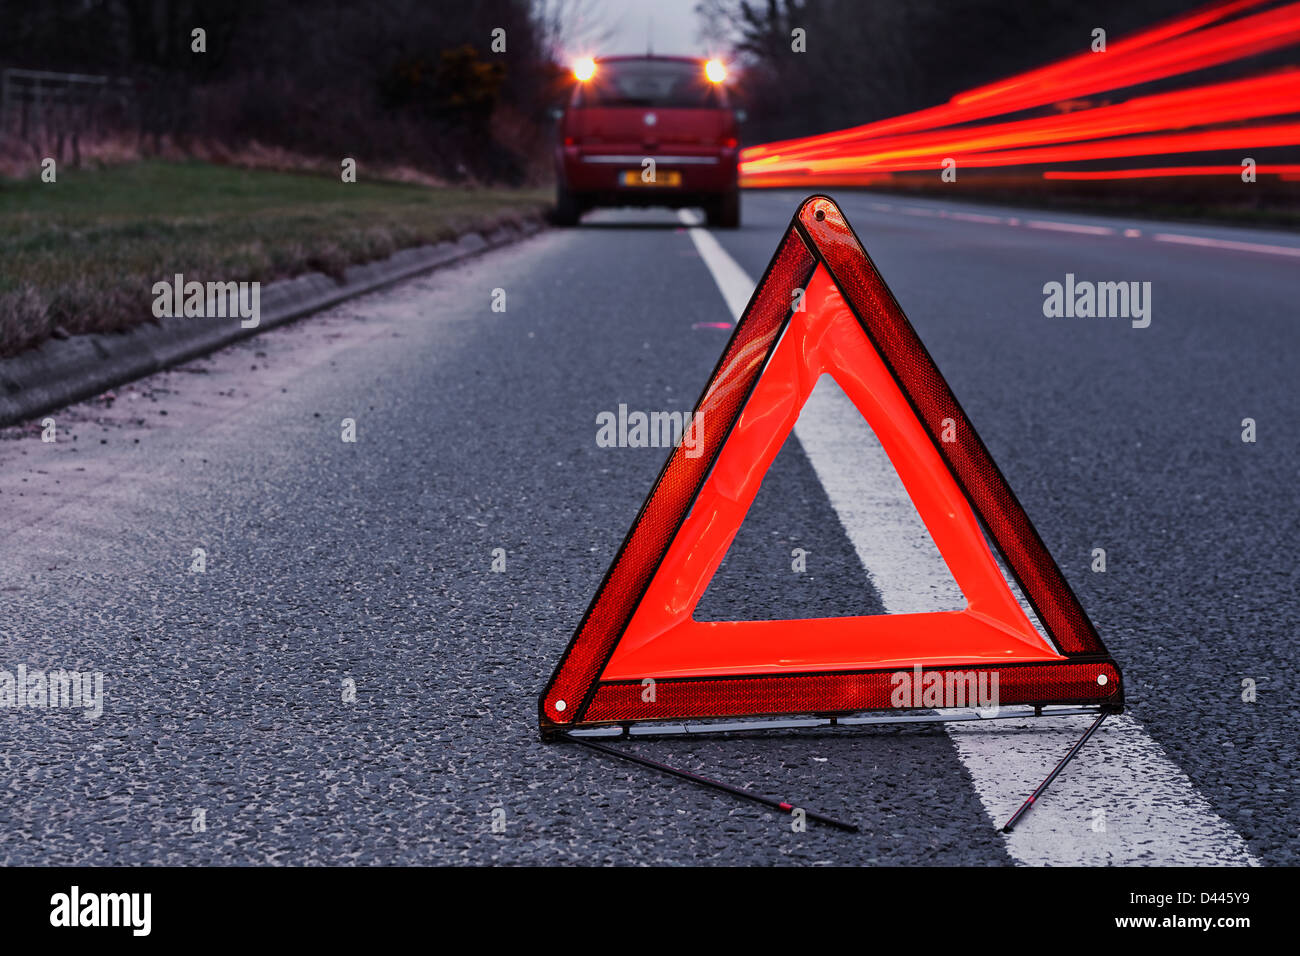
pixel 648 56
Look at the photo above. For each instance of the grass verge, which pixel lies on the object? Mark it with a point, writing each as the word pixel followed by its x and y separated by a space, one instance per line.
pixel 81 254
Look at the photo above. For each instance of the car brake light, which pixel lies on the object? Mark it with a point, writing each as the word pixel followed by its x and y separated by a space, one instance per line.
pixel 730 142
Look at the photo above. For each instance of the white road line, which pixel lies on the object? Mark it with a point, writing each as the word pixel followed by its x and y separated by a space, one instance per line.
pixel 735 284
pixel 976 217
pixel 1122 800
pixel 1069 227
pixel 1227 244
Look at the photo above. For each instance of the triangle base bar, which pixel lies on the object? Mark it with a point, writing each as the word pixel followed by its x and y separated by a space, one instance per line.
pixel 896 689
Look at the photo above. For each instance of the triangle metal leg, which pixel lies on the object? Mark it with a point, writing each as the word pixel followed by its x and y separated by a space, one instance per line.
pixel 715 784
pixel 1033 797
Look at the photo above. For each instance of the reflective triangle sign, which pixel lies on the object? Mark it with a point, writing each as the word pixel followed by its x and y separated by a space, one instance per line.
pixel 640 655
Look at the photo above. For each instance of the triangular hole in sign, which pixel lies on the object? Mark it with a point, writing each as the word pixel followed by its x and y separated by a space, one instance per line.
pixel 639 653
pixel 793 556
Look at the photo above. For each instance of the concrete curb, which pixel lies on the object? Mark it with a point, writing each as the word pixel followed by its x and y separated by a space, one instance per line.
pixel 63 371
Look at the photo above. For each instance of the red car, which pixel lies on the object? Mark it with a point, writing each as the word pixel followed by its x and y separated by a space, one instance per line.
pixel 648 131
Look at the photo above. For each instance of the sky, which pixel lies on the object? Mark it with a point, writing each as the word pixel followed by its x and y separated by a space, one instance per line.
pixel 622 26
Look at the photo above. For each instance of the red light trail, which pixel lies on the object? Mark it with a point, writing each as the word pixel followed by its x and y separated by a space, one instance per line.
pixel 1203 118
pixel 1272 169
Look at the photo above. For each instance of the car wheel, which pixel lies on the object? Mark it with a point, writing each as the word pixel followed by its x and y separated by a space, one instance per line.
pixel 567 208
pixel 724 212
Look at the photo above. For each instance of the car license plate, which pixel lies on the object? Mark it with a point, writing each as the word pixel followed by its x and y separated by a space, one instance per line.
pixel 664 177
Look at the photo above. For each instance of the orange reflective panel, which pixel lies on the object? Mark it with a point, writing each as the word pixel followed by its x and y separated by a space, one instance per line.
pixel 662 640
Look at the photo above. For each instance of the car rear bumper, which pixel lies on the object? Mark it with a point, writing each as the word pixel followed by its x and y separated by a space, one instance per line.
pixel 600 176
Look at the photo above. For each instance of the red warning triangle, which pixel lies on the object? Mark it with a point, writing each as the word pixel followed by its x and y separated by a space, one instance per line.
pixel 639 654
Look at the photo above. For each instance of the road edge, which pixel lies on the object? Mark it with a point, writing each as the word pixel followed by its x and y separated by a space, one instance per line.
pixel 62 371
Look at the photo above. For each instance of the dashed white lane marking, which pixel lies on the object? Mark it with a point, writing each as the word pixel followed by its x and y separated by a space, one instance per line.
pixel 1054 225
pixel 1226 244
pixel 1070 227
pixel 1122 800
pixel 975 217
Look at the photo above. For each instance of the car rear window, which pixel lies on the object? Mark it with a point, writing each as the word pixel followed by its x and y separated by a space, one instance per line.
pixel 665 84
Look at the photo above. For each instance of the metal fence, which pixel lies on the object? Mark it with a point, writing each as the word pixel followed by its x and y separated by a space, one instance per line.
pixel 38 106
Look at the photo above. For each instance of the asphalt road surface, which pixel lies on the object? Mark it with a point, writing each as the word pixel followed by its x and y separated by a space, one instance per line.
pixel 348 680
